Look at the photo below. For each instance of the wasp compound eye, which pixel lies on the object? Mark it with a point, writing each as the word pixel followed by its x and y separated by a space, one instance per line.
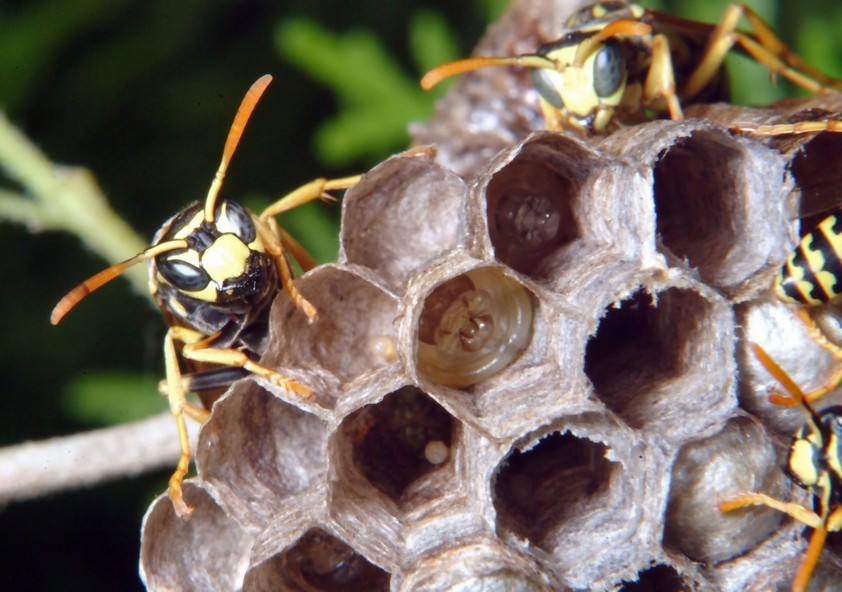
pixel 609 69
pixel 473 326
pixel 182 275
pixel 546 83
pixel 234 218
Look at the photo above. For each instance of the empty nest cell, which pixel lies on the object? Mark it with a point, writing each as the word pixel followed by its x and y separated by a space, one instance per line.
pixel 560 477
pixel 651 360
pixel 317 562
pixel 702 203
pixel 659 578
pixel 817 170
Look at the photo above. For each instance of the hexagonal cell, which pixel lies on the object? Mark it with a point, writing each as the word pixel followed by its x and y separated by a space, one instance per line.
pixel 341 351
pixel 729 224
pixel 259 452
pixel 512 383
pixel 403 213
pixel 665 360
pixel 399 441
pixel 478 564
pixel 552 481
pixel 317 562
pixel 770 565
pixel 207 552
pixel 472 326
pixel 553 200
pixel 707 218
pixel 739 458
pixel 813 159
pixel 575 490
pixel 816 170
pixel 530 211
pixel 659 578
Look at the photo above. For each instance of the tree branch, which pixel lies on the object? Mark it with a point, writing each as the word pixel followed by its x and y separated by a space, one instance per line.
pixel 35 469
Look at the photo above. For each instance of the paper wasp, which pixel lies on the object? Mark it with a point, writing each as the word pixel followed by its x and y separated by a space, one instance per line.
pixel 617 63
pixel 214 270
pixel 814 463
pixel 812 276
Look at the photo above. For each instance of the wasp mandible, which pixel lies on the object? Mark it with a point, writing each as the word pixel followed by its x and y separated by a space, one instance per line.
pixel 214 270
pixel 814 463
pixel 618 62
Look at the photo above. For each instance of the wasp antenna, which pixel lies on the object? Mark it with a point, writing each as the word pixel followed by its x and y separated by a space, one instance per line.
pixel 621 27
pixel 72 298
pixel 439 73
pixel 234 134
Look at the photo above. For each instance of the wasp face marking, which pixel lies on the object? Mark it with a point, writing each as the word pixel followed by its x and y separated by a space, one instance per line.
pixel 225 259
pixel 588 92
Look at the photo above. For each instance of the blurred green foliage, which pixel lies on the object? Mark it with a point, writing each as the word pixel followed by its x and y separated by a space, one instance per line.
pixel 142 93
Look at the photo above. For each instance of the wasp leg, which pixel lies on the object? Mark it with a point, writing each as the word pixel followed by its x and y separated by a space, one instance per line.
pixel 780 129
pixel 660 81
pixel 833 523
pixel 765 47
pixel 791 509
pixel 200 348
pixel 275 238
pixel 315 189
pixel 270 233
pixel 178 403
pixel 831 383
pixel 299 253
pixel 203 381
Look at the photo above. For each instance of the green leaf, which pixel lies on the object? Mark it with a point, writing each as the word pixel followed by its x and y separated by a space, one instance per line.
pixel 431 40
pixel 111 398
pixel 376 98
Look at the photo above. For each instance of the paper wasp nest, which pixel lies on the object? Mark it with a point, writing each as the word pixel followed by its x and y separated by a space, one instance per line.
pixel 526 366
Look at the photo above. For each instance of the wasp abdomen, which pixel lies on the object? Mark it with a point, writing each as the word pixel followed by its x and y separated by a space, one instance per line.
pixel 813 270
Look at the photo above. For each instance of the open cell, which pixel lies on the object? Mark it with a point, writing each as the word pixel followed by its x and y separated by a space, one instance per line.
pixel 537 490
pixel 659 578
pixel 399 440
pixel 472 326
pixel 530 211
pixel 661 360
pixel 318 562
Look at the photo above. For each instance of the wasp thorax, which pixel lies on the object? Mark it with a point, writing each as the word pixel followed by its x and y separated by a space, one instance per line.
pixel 473 326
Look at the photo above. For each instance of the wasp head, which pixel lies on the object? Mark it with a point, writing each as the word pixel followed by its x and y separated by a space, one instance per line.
pixel 225 260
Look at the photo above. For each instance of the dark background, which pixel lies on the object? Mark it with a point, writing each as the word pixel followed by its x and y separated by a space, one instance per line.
pixel 142 94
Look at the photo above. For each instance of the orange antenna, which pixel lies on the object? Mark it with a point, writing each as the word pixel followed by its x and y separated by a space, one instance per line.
pixel 621 27
pixel 439 73
pixel 235 133
pixel 72 298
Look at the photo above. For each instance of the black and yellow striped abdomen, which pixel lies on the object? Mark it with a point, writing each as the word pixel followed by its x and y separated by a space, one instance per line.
pixel 812 273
